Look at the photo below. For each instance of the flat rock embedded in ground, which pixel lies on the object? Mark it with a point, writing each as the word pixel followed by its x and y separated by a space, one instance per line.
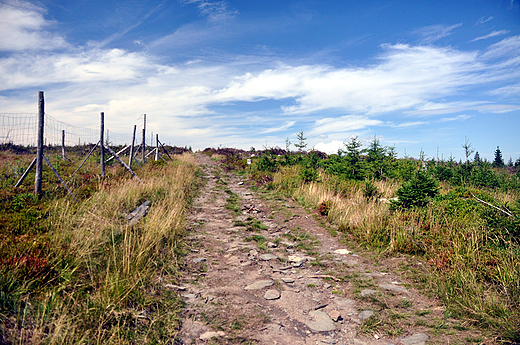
pixel 296 259
pixel 365 314
pixel 267 257
pixel 367 292
pixel 322 322
pixel 416 339
pixel 393 287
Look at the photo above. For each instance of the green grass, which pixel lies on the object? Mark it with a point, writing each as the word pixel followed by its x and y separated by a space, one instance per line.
pixel 233 202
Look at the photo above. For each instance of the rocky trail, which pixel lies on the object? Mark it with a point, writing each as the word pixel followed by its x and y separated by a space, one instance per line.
pixel 262 270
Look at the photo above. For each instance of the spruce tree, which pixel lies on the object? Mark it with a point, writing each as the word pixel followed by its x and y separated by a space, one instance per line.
pixel 498 162
pixel 477 158
pixel 301 145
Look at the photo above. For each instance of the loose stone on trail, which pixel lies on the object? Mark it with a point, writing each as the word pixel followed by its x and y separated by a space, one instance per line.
pixel 272 294
pixel 259 285
pixel 209 335
pixel 296 259
pixel 335 315
pixel 175 287
pixel 189 296
pixel 197 260
pixel 342 251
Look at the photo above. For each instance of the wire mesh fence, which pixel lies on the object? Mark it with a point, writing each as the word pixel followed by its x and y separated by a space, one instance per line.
pixel 22 129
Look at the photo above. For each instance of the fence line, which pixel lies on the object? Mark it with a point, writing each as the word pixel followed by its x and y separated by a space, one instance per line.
pixel 21 129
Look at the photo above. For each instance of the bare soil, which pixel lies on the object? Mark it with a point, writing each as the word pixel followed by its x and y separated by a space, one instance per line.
pixel 322 300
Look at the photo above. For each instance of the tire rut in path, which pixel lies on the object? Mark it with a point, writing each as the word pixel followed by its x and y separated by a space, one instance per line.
pixel 285 280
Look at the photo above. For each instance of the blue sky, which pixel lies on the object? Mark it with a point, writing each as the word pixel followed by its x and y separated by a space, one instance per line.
pixel 419 75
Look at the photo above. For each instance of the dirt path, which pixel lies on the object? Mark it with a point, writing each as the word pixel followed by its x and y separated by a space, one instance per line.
pixel 271 274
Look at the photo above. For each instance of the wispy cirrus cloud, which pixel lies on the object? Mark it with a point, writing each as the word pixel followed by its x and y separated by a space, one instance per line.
pixel 483 20
pixel 509 46
pixel 216 11
pixel 433 33
pixel 409 124
pixel 456 118
pixel 287 125
pixel 492 34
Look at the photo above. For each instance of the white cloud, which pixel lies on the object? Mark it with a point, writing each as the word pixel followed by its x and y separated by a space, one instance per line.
pixel 492 34
pixel 343 124
pixel 22 26
pixel 329 148
pixel 88 66
pixel 406 77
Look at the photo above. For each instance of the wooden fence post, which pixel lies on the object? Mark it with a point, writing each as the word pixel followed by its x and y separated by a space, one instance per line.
pixel 132 148
pixel 156 147
pixel 102 144
pixel 144 139
pixel 63 144
pixel 39 150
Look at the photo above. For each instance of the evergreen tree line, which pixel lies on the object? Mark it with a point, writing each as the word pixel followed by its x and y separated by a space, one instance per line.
pixel 380 162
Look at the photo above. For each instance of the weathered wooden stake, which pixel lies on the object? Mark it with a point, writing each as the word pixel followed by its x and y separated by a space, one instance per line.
pixel 156 147
pixel 132 148
pixel 63 144
pixel 102 144
pixel 143 144
pixel 39 150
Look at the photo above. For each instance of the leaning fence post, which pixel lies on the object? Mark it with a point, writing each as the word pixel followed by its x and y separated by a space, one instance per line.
pixel 102 144
pixel 39 150
pixel 26 172
pixel 123 163
pixel 132 149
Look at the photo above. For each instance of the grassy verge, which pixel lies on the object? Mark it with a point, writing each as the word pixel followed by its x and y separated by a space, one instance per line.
pixel 79 273
pixel 470 261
